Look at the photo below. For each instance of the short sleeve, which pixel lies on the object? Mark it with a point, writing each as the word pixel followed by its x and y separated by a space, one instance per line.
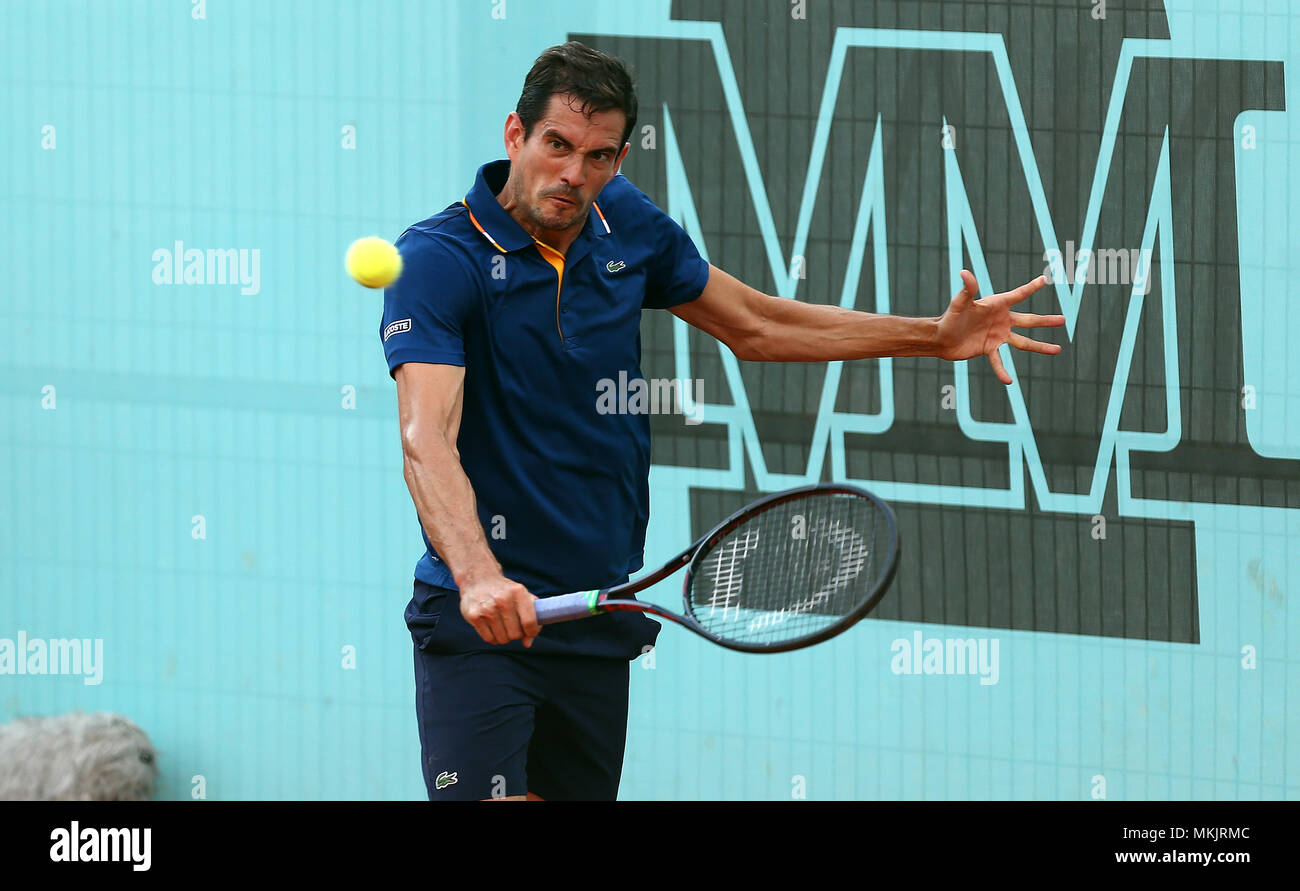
pixel 426 309
pixel 675 273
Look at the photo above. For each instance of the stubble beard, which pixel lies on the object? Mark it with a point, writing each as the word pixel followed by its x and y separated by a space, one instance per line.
pixel 552 222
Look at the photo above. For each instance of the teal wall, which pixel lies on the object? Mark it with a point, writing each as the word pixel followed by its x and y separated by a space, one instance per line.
pixel 172 402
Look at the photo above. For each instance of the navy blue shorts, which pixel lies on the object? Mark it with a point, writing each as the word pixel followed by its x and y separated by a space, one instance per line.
pixel 495 723
pixel 505 720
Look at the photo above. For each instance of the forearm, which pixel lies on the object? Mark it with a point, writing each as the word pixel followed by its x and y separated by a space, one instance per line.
pixel 793 331
pixel 444 500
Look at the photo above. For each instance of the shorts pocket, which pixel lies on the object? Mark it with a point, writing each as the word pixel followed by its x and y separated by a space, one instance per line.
pixel 424 612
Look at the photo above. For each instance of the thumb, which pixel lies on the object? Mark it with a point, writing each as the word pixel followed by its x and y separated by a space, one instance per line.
pixel 969 291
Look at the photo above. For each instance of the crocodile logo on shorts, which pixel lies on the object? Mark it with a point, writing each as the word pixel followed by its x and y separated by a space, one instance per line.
pixel 615 265
pixel 444 780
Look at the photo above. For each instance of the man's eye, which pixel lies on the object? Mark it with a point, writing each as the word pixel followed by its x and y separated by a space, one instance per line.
pixel 556 144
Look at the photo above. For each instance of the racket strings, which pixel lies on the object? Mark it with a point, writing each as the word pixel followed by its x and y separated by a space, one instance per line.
pixel 792 570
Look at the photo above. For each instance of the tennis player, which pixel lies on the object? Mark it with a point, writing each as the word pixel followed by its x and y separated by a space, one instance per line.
pixel 513 303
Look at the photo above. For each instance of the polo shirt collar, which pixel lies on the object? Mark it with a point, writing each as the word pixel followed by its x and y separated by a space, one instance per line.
pixel 495 223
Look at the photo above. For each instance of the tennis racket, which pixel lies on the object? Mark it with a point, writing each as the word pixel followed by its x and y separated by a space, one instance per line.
pixel 788 571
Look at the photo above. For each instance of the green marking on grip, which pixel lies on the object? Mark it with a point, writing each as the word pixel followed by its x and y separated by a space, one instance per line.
pixel 592 597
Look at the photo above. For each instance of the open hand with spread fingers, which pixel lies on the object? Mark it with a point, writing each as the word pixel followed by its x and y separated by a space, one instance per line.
pixel 975 326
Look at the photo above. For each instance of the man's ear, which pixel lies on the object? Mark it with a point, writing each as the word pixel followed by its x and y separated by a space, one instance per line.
pixel 618 164
pixel 514 134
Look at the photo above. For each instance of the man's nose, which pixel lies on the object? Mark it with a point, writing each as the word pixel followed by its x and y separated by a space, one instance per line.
pixel 572 174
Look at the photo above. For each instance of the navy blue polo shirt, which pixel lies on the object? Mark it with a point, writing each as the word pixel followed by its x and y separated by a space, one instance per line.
pixel 562 489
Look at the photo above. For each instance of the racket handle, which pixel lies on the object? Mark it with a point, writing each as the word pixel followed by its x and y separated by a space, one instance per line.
pixel 563 607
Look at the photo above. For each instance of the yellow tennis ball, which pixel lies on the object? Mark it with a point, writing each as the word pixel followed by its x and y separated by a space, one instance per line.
pixel 373 262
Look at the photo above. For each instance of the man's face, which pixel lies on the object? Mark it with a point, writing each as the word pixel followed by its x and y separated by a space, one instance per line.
pixel 559 170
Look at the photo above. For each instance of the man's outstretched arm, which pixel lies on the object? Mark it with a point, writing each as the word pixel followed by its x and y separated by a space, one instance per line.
pixel 760 328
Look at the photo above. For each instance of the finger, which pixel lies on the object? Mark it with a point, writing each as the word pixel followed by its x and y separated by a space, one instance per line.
pixel 497 627
pixel 475 620
pixel 1026 289
pixel 996 361
pixel 1031 320
pixel 527 605
pixel 510 621
pixel 970 290
pixel 1020 342
pixel 484 630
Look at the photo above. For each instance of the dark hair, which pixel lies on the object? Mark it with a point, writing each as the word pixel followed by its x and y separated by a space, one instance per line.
pixel 600 82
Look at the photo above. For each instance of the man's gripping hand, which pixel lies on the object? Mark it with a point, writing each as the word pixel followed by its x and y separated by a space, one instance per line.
pixel 500 610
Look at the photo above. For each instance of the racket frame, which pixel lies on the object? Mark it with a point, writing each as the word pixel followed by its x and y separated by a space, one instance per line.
pixel 620 598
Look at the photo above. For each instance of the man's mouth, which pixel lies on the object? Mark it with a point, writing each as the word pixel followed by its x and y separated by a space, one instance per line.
pixel 561 200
